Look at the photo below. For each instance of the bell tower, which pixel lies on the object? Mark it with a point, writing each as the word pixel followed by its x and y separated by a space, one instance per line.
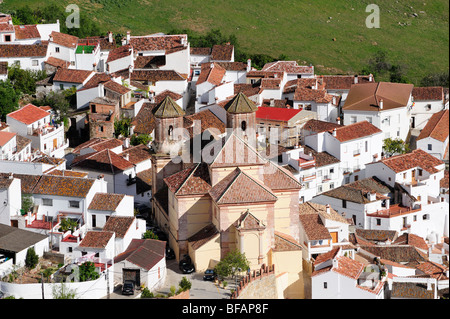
pixel 241 118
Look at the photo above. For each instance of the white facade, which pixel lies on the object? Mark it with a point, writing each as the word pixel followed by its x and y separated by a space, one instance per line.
pixel 433 146
pixel 10 199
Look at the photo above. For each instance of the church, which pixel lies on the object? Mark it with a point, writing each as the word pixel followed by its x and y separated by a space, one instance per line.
pixel 223 195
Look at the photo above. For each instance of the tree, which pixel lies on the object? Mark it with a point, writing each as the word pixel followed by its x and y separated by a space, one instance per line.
pixel 436 79
pixel 146 293
pixel 87 271
pixel 27 203
pixel 122 127
pixel 58 101
pixel 231 264
pixel 185 284
pixel 140 139
pixel 24 81
pixel 68 224
pixel 149 235
pixel 32 259
pixel 395 146
pixel 9 99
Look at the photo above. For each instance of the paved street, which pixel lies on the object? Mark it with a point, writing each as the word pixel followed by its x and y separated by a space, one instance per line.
pixel 200 289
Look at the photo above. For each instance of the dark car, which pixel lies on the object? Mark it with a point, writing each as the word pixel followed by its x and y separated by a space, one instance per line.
pixel 210 274
pixel 170 254
pixel 128 288
pixel 186 265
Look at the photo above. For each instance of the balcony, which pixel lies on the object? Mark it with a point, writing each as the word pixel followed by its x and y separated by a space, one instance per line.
pixel 394 211
pixel 44 130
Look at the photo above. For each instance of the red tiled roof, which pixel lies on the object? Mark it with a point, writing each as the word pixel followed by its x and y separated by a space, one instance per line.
pixel 239 188
pixel 430 93
pixel 26 32
pixel 354 131
pixel 313 226
pixel 22 50
pixel 437 127
pixel 119 225
pixel 342 82
pixel 96 239
pixel 28 114
pixel 168 43
pixel 57 62
pixel 194 180
pixel 222 52
pixel 63 186
pixel 288 67
pixel 63 39
pixel 116 87
pixel 71 75
pixel 5 137
pixel 106 201
pixel 320 126
pixel 417 158
pixel 145 253
pixel 119 53
pixel 212 73
pixel 137 154
pixel 276 114
pixel 105 160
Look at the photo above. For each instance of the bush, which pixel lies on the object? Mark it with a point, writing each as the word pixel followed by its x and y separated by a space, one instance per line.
pixel 185 284
pixel 146 293
pixel 32 259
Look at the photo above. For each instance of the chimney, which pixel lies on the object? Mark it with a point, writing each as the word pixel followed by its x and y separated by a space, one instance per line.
pixel 370 77
pixel 328 209
pixel 128 37
pixel 126 143
pixel 11 176
pixel 355 79
pixel 100 177
pixel 338 120
pixel 429 287
pixel 249 65
pixel 334 100
pixel 381 104
pixel 183 41
pixel 110 37
pixel 272 102
pixel 211 65
pixel 334 132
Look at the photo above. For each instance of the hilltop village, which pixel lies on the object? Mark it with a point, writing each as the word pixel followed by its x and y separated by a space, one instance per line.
pixel 173 158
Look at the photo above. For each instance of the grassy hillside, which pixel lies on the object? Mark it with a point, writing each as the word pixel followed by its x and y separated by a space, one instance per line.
pixel 331 34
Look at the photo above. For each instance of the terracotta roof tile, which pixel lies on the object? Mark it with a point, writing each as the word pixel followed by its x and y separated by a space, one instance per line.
pixel 137 154
pixel 72 75
pixel 59 63
pixel 288 67
pixel 96 239
pixel 116 87
pixel 437 127
pixel 318 126
pixel 313 226
pixel 212 73
pixel 149 62
pixel 411 290
pixel 342 82
pixel 63 39
pixel 145 253
pixel 22 50
pixel 106 201
pixel 353 131
pixel 28 114
pixel 248 221
pixel 5 137
pixel 119 225
pixel 200 51
pixel 63 186
pixel 285 242
pixel 417 158
pixel 26 32
pixel 239 188
pixel 158 42
pixel 435 93
pixel 194 180
pixel 222 52
pixel 119 53
pixel 156 75
pixel 105 160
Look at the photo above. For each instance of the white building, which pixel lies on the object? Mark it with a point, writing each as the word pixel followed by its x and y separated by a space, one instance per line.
pixel 146 259
pixel 422 211
pixel 26 56
pixel 65 79
pixel 433 138
pixel 385 105
pixel 426 102
pixel 339 277
pixel 354 145
pixel 121 58
pixel 36 124
pixel 292 69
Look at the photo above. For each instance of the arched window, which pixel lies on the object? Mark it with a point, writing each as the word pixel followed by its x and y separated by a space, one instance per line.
pixel 170 131
pixel 244 125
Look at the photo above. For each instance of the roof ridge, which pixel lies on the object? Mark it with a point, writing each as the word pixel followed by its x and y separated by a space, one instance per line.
pixel 239 171
pixel 193 169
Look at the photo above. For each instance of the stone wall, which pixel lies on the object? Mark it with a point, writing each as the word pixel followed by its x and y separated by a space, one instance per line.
pixel 257 285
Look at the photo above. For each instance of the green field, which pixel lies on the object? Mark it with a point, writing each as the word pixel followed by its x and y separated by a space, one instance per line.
pixel 331 34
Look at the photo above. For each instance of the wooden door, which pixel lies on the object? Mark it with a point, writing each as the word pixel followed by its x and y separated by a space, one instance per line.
pixel 334 237
pixel 413 177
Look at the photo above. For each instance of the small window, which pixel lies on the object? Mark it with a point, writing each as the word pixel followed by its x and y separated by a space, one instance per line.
pixel 47 202
pixel 344 203
pixel 428 107
pixel 57 49
pixel 352 119
pixel 170 131
pixel 69 249
pixel 420 172
pixel 7 38
pixel 415 218
pixel 325 285
pixel 331 185
pixel 378 221
pixel 34 62
pixel 61 86
pixel 430 147
pixel 74 204
pixel 425 217
pixel 243 126
pixel 319 189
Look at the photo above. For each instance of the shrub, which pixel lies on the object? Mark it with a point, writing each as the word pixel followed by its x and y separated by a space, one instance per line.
pixel 146 293
pixel 31 260
pixel 185 284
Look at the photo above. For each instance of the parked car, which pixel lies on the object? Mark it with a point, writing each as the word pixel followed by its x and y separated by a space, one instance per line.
pixel 128 288
pixel 210 274
pixel 186 265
